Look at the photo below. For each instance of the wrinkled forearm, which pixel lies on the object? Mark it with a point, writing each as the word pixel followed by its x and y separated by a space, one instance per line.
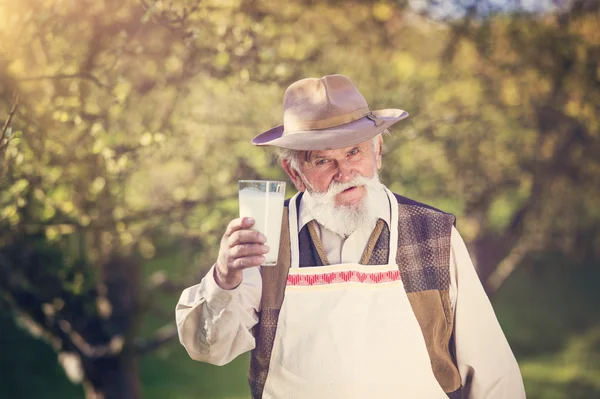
pixel 214 324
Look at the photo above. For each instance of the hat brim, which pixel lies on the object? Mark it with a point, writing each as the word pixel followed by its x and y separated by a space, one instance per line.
pixel 330 139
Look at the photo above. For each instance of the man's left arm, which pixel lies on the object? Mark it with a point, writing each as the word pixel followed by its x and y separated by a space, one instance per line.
pixel 487 366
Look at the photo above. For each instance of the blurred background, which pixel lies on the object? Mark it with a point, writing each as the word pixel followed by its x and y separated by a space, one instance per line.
pixel 125 125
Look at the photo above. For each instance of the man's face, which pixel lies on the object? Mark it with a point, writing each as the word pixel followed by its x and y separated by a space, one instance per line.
pixel 322 168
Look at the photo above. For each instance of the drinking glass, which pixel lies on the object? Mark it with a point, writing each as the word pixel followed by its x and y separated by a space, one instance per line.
pixel 263 201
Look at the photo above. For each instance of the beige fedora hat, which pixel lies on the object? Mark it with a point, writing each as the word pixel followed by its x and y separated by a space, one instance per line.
pixel 326 114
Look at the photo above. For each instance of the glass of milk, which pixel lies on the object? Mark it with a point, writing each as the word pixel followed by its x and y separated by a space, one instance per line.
pixel 263 201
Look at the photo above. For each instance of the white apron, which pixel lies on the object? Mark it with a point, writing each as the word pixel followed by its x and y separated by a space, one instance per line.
pixel 348 331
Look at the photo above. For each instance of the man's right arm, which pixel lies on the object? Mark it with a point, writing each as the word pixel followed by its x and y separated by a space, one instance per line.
pixel 215 317
pixel 214 323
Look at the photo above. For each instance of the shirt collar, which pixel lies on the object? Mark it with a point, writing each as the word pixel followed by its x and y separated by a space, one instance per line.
pixel 382 212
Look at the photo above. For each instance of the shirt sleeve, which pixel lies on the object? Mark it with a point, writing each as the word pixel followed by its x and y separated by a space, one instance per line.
pixel 214 324
pixel 486 364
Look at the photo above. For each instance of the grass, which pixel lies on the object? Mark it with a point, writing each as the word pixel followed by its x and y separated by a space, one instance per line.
pixel 28 367
pixel 170 373
pixel 551 316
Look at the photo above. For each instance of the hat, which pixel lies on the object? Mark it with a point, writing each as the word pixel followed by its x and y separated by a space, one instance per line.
pixel 326 114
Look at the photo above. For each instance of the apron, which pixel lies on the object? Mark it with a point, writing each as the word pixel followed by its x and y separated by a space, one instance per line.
pixel 348 331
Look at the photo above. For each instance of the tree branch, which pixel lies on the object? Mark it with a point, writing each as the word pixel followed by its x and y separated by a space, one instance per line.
pixel 113 347
pixel 530 242
pixel 27 322
pixel 163 336
pixel 160 281
pixel 86 76
pixel 185 204
pixel 8 121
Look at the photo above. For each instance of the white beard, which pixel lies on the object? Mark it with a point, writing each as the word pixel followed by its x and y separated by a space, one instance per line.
pixel 344 220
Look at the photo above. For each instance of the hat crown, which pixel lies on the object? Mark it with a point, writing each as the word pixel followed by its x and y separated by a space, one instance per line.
pixel 325 114
pixel 312 104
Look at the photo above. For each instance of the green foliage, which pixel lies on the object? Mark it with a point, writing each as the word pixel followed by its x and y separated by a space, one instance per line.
pixel 135 118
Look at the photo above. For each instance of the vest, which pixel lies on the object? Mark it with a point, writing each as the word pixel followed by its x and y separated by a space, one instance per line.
pixel 424 262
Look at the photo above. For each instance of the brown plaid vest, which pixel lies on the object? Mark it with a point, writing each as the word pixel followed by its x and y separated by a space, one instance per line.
pixel 424 261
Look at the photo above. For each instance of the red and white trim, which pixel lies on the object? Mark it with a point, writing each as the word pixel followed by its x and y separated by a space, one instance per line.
pixel 346 276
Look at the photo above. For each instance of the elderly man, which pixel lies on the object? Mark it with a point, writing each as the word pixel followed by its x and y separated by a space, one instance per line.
pixel 374 295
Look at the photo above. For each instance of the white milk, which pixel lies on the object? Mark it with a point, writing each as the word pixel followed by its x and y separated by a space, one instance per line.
pixel 267 210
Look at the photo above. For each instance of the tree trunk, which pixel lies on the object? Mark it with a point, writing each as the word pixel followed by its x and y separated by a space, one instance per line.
pixel 115 377
pixel 116 374
pixel 488 252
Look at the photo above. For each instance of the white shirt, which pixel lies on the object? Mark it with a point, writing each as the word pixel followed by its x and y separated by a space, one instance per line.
pixel 214 324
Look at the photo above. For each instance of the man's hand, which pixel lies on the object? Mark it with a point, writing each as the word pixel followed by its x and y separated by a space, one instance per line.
pixel 241 248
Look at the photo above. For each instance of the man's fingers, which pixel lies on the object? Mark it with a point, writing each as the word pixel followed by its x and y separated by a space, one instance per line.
pixel 238 224
pixel 246 237
pixel 248 261
pixel 240 251
pixel 241 247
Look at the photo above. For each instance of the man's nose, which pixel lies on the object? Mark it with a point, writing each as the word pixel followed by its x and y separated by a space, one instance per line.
pixel 344 172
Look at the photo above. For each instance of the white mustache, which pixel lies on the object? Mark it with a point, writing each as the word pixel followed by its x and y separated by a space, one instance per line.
pixel 343 220
pixel 337 187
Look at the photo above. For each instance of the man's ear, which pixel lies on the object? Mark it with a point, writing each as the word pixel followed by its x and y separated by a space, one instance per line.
pixel 378 151
pixel 293 174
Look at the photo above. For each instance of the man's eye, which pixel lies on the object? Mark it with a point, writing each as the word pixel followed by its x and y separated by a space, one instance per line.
pixel 321 162
pixel 354 151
